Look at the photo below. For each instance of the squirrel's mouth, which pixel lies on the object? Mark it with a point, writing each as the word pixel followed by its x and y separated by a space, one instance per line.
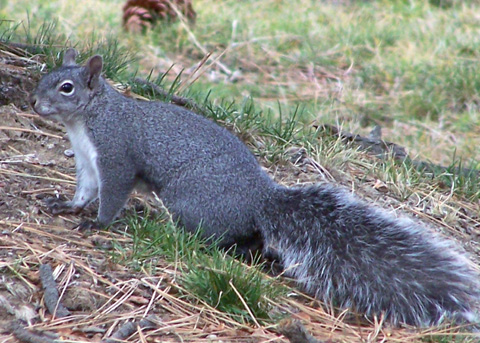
pixel 41 113
pixel 42 110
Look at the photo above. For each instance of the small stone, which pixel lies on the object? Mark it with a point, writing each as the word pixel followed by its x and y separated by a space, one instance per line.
pixel 69 153
pixel 236 76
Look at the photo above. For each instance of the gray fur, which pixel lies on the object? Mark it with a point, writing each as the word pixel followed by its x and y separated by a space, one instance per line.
pixel 366 259
pixel 341 250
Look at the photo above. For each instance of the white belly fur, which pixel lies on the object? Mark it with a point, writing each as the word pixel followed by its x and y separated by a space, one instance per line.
pixel 88 175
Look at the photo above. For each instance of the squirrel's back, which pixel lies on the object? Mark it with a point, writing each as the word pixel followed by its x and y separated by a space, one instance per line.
pixel 203 173
pixel 343 251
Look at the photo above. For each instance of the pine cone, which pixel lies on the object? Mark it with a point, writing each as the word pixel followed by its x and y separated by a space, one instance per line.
pixel 139 15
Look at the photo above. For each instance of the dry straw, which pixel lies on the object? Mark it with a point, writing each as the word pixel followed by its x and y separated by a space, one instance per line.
pixel 103 295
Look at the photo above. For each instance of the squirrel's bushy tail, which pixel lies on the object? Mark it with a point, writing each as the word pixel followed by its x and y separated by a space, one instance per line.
pixel 353 255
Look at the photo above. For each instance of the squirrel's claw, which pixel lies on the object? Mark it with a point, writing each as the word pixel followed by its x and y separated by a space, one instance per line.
pixel 57 206
pixel 88 225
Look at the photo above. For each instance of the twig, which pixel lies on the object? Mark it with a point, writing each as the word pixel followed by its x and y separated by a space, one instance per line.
pixel 51 297
pixel 195 42
pixel 30 131
pixel 15 173
pixel 244 304
pixel 296 332
pixel 22 49
pixel 25 336
pixel 197 72
pixel 201 70
pixel 373 144
pixel 380 148
pixel 129 328
pixel 177 100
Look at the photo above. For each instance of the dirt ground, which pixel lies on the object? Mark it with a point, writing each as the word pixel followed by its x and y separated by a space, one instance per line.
pixel 35 163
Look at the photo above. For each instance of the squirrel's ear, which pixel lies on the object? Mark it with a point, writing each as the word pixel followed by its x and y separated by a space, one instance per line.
pixel 93 70
pixel 69 57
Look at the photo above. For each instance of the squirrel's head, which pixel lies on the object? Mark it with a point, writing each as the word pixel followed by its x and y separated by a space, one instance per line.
pixel 65 90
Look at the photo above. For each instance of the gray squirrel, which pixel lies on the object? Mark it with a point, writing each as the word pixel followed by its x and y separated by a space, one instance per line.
pixel 340 249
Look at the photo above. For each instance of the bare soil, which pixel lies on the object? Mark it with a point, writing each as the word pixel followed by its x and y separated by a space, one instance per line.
pixel 102 294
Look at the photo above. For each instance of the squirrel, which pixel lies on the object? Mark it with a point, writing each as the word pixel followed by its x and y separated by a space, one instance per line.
pixel 340 249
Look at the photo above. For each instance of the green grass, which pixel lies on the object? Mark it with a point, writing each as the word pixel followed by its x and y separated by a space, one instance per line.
pixel 400 60
pixel 450 338
pixel 461 178
pixel 409 66
pixel 208 274
pixel 45 40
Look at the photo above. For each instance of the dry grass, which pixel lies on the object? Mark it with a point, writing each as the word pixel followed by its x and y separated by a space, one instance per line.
pixel 102 294
pixel 409 67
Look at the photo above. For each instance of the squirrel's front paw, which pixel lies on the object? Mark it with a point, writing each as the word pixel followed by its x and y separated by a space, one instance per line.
pixel 88 225
pixel 56 206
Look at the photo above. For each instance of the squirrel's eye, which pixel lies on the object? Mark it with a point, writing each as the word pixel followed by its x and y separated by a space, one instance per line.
pixel 67 88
